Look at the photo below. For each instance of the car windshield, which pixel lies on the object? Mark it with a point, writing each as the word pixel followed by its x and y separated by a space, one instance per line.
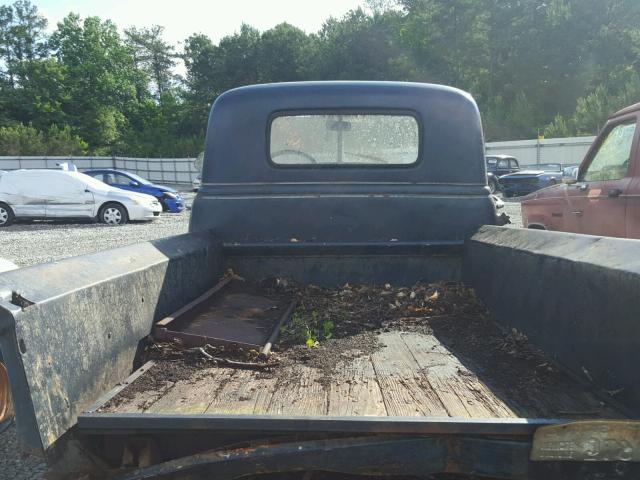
pixel 90 181
pixel 140 180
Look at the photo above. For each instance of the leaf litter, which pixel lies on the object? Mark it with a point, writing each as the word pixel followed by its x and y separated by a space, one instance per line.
pixel 331 327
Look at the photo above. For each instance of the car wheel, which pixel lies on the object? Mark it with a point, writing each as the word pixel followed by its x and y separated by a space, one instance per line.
pixel 493 185
pixel 552 182
pixel 6 408
pixel 113 214
pixel 6 215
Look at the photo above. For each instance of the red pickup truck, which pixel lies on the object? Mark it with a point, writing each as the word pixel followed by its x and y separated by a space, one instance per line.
pixel 605 198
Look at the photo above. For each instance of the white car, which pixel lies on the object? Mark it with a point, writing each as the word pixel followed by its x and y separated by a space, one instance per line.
pixel 197 183
pixel 64 194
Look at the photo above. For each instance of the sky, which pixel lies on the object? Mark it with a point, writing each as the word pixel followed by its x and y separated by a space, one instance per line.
pixel 215 18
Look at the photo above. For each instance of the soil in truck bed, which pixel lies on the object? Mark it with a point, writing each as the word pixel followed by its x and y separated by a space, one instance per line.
pixel 427 350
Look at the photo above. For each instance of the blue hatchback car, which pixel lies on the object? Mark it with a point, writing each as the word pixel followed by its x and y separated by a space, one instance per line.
pixel 169 198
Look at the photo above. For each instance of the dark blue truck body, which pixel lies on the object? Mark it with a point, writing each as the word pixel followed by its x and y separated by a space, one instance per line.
pixel 71 331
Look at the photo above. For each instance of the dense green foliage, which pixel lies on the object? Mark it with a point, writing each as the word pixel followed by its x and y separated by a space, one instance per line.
pixel 557 67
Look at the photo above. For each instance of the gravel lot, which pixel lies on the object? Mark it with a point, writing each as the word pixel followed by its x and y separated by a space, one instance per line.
pixel 32 243
pixel 38 242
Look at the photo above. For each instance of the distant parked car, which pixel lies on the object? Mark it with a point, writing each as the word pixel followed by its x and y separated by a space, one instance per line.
pixel 36 194
pixel 603 198
pixel 498 165
pixel 169 198
pixel 570 172
pixel 532 178
pixel 197 183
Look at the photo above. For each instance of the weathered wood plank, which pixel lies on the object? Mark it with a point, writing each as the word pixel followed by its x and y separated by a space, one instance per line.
pixel 132 400
pixel 354 390
pixel 245 393
pixel 300 393
pixel 195 394
pixel 459 389
pixel 397 373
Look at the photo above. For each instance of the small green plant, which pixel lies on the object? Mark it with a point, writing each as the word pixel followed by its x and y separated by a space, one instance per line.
pixel 327 329
pixel 309 329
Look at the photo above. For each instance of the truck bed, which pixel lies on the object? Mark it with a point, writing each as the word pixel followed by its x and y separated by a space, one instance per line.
pixel 446 360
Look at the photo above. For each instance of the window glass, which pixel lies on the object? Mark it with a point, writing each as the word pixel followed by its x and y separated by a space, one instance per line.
pixel 503 164
pixel 513 163
pixel 337 139
pixel 116 179
pixel 611 161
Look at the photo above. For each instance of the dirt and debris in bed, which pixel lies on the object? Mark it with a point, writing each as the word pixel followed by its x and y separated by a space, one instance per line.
pixel 332 326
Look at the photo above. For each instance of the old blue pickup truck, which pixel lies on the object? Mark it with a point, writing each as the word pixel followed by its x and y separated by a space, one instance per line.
pixel 344 306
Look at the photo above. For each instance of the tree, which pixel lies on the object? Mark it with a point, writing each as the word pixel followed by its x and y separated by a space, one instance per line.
pixel 281 54
pixel 200 59
pixel 154 56
pixel 360 47
pixel 101 77
pixel 27 140
pixel 22 35
pixel 212 69
pixel 42 96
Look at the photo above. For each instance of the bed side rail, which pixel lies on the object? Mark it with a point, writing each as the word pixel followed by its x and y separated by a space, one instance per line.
pixel 575 296
pixel 70 330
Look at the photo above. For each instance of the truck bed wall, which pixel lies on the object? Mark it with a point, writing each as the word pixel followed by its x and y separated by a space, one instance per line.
pixel 336 264
pixel 575 296
pixel 70 330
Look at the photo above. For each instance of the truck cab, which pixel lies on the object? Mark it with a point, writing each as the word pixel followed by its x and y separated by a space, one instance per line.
pixel 343 163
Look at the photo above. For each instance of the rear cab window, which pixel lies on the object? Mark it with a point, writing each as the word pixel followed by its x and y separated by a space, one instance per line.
pixel 344 139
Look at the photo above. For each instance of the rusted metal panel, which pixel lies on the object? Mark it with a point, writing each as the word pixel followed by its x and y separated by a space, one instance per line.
pixel 231 314
pixel 588 441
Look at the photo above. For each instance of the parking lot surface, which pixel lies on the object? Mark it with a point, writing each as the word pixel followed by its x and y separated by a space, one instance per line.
pixel 37 242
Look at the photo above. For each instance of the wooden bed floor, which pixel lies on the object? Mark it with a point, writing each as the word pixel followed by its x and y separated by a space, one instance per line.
pixel 411 374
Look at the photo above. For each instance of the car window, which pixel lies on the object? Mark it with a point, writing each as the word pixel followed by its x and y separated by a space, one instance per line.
pixel 116 179
pixel 503 163
pixel 611 161
pixel 513 164
pixel 491 161
pixel 344 139
pixel 96 175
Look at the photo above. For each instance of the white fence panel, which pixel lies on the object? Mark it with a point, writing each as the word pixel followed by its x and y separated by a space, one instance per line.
pixel 554 150
pixel 162 170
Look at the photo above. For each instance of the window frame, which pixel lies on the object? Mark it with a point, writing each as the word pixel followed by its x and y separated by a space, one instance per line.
pixel 346 111
pixel 584 167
